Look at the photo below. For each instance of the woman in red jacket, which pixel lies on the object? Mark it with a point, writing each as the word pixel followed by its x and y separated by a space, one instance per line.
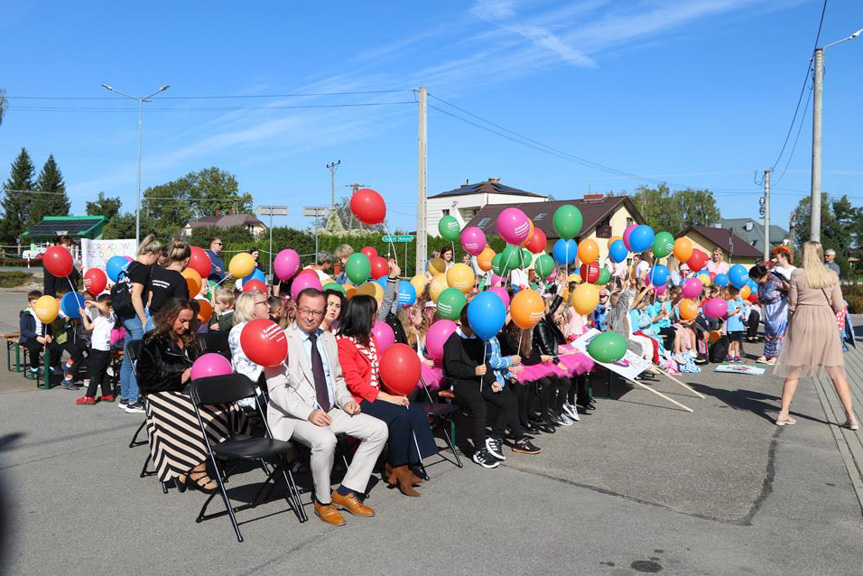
pixel 411 437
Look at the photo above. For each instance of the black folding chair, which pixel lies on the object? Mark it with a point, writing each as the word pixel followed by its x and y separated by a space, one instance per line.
pixel 228 390
pixel 442 416
pixel 216 343
pixel 134 351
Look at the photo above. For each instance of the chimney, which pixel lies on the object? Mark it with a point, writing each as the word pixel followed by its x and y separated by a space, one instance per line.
pixel 494 180
pixel 593 197
pixel 218 212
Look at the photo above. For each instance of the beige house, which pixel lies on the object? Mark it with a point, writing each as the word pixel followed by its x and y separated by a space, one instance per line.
pixel 735 249
pixel 248 221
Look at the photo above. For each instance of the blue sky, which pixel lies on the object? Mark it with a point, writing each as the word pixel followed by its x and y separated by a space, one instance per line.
pixel 694 92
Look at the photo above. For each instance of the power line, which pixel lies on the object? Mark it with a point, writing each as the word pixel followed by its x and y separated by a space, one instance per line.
pixel 126 109
pixel 796 138
pixel 220 96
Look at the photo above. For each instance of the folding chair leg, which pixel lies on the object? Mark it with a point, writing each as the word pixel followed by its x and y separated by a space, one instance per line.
pixel 452 447
pixel 422 470
pixel 144 471
pixel 227 500
pixel 292 488
pixel 135 441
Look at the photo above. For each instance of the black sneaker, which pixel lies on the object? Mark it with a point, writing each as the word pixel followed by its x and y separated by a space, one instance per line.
pixel 525 446
pixel 547 427
pixel 136 408
pixel 495 447
pixel 529 428
pixel 485 459
pixel 122 404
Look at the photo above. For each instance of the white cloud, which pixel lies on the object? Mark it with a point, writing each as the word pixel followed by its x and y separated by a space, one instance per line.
pixel 494 9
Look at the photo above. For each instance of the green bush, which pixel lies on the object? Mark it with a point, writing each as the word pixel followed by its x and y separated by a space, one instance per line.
pixel 853 294
pixel 14 279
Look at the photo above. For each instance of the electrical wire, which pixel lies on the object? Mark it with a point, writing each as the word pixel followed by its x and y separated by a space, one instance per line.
pixel 127 109
pixel 218 97
pixel 796 138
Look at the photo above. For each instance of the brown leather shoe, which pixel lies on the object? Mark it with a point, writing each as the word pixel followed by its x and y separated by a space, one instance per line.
pixel 352 504
pixel 329 514
pixel 405 479
pixel 391 479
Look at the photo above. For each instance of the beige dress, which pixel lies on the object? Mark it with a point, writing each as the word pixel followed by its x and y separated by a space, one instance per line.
pixel 812 340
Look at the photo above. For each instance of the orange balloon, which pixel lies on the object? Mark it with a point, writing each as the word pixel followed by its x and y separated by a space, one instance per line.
pixel 460 277
pixel 612 239
pixel 372 289
pixel 714 336
pixel 682 249
pixel 588 251
pixel 206 311
pixel 484 258
pixel 744 292
pixel 527 309
pixel 705 279
pixel 437 266
pixel 529 233
pixel 438 285
pixel 585 299
pixel 688 309
pixel 193 281
pixel 350 290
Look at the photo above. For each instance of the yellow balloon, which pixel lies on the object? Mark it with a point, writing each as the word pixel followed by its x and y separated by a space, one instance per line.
pixel 372 289
pixel 460 277
pixel 574 278
pixel 350 290
pixel 585 299
pixel 241 265
pixel 419 283
pixel 437 266
pixel 438 285
pixel 705 279
pixel 46 308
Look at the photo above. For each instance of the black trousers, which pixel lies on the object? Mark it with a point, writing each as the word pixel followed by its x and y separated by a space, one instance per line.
pixel 477 402
pixel 752 324
pixel 77 350
pixel 55 352
pixel 97 370
pixel 404 424
pixel 578 393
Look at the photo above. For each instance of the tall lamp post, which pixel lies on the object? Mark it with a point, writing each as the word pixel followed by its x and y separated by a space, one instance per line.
pixel 140 101
pixel 818 81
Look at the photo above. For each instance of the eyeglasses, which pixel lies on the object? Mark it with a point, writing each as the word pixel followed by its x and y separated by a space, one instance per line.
pixel 261 302
pixel 310 312
pixel 217 243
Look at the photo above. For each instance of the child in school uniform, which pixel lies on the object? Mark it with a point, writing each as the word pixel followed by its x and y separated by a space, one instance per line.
pixel 735 325
pixel 223 311
pixel 99 319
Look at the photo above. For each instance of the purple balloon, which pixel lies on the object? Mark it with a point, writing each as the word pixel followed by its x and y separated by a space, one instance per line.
pixel 437 336
pixel 504 295
pixel 211 365
pixel 473 240
pixel 304 281
pixel 626 234
pixel 692 287
pixel 286 264
pixel 384 336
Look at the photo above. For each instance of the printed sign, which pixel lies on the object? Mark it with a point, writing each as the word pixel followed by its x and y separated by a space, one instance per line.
pixel 741 369
pixel 630 366
pixel 96 253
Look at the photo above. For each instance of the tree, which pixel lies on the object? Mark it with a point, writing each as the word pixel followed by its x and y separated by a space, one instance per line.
pixel 203 235
pixel 697 207
pixel 674 211
pixel 50 198
pixel 16 202
pixel 106 206
pixel 840 226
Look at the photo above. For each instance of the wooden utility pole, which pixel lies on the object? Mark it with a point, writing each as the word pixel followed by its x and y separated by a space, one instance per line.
pixel 332 167
pixel 422 182
pixel 354 187
pixel 766 208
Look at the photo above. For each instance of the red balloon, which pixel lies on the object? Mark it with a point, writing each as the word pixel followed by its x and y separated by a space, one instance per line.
pixel 589 272
pixel 380 267
pixel 199 261
pixel 307 271
pixel 697 261
pixel 537 242
pixel 400 369
pixel 58 261
pixel 370 252
pixel 264 342
pixel 255 284
pixel 753 297
pixel 95 281
pixel 368 206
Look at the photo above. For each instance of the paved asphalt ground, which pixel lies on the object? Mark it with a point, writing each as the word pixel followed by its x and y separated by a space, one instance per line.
pixel 636 487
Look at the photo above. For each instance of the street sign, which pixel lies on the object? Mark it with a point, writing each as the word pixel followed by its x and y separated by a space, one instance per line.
pixel 394 238
pixel 272 210
pixel 405 239
pixel 315 211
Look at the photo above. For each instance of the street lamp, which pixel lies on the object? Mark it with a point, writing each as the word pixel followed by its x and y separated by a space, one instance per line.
pixel 815 200
pixel 140 101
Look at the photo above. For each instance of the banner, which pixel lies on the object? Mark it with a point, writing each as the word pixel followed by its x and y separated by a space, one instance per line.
pixel 740 369
pixel 630 366
pixel 96 253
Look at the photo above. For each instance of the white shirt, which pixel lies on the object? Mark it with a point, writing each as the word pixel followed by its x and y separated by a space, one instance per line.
pixel 307 345
pixel 322 276
pixel 102 326
pixel 642 268
pixel 519 277
pixel 785 271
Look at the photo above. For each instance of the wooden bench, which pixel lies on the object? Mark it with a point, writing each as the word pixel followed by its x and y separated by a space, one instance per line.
pixel 12 343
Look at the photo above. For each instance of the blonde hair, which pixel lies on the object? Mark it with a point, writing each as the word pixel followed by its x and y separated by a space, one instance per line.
pixel 413 332
pixel 244 309
pixel 343 251
pixel 178 251
pixel 149 245
pixel 817 274
pixel 225 296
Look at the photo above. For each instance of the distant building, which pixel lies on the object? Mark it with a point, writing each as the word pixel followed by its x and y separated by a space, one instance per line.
pixel 76 227
pixel 753 232
pixel 248 221
pixel 464 202
pixel 736 249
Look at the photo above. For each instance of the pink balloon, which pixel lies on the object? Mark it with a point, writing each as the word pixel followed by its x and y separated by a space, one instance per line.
pixel 304 281
pixel 437 336
pixel 626 234
pixel 384 336
pixel 211 365
pixel 504 295
pixel 495 279
pixel 286 264
pixel 473 240
pixel 129 258
pixel 513 226
pixel 659 289
pixel 716 308
pixel 692 287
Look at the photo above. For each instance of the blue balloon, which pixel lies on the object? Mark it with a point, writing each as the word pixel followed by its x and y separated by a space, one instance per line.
pixel 382 281
pixel 658 274
pixel 71 303
pixel 721 280
pixel 618 251
pixel 256 274
pixel 407 293
pixel 738 275
pixel 565 251
pixel 115 265
pixel 486 314
pixel 641 239
pixel 753 286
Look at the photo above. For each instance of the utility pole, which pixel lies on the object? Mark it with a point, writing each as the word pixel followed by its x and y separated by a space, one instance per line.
pixel 765 211
pixel 422 182
pixel 354 187
pixel 332 167
pixel 815 199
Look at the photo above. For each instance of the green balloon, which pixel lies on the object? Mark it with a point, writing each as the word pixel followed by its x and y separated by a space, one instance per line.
pixel 510 259
pixel 604 277
pixel 607 347
pixel 663 244
pixel 526 258
pixel 496 265
pixel 358 268
pixel 567 221
pixel 335 287
pixel 544 265
pixel 450 303
pixel 448 228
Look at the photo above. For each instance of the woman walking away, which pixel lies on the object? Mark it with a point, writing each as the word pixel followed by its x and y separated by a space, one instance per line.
pixel 812 345
pixel 773 298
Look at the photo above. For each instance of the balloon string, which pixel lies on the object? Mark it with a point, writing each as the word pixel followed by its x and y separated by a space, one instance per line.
pixel 390 238
pixel 520 338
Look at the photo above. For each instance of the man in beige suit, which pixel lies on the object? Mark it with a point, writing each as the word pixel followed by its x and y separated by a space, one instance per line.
pixel 309 403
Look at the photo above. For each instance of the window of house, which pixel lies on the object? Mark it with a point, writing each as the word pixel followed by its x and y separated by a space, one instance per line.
pixel 539 216
pixel 445 211
pixel 603 229
pixel 483 223
pixel 628 222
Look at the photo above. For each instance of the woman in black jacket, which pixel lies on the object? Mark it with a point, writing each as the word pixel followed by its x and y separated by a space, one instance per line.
pixel 547 338
pixel 164 369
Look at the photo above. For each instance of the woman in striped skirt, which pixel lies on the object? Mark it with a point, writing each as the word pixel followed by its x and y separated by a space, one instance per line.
pixel 164 369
